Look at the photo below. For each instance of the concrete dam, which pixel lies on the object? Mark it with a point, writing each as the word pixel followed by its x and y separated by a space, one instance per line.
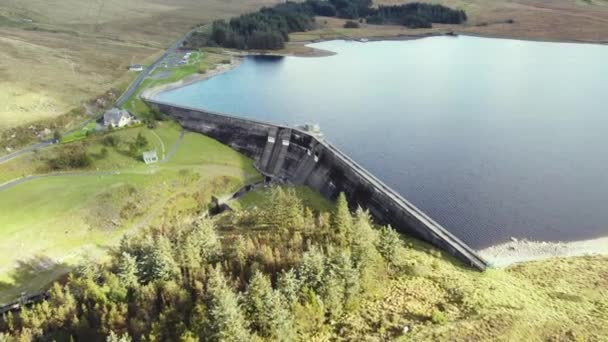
pixel 301 157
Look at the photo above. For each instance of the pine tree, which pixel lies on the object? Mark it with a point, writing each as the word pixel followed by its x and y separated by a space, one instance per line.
pixel 332 292
pixel 289 287
pixel 388 245
pixel 113 337
pixel 226 321
pixel 312 269
pixel 207 239
pixel 282 320
pixel 349 275
pixel 258 304
pixel 342 221
pixel 364 239
pixel 127 270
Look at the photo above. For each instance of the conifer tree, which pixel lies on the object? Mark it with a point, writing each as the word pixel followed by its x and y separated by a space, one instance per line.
pixel 209 241
pixel 226 320
pixel 388 245
pixel 127 270
pixel 113 337
pixel 342 221
pixel 258 304
pixel 289 287
pixel 364 239
pixel 312 269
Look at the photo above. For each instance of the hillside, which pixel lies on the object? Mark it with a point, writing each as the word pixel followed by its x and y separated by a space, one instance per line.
pixel 55 55
pixel 296 274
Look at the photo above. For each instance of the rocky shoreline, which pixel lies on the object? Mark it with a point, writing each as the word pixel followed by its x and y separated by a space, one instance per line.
pixel 517 251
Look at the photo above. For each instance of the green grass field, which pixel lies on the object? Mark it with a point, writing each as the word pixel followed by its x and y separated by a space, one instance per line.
pixel 260 198
pixel 49 225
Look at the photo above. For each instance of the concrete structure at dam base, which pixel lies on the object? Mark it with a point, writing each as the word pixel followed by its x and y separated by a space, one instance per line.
pixel 301 157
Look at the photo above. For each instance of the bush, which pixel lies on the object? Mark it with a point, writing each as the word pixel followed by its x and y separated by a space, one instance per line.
pixel 351 24
pixel 110 141
pixel 438 317
pixel 75 158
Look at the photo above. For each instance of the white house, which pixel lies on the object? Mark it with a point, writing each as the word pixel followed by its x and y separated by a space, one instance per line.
pixel 136 67
pixel 117 118
pixel 150 157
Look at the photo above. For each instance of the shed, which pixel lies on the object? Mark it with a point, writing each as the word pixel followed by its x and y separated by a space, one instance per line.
pixel 150 157
pixel 136 67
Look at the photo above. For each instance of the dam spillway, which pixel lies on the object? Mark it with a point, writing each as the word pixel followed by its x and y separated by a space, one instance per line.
pixel 299 157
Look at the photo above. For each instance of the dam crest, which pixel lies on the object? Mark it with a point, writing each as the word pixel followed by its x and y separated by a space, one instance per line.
pixel 301 157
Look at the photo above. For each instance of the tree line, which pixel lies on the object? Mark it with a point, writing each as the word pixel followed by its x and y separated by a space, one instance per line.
pixel 283 274
pixel 269 28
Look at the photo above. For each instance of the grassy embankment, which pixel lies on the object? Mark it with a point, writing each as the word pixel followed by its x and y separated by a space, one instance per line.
pixel 200 62
pixel 51 224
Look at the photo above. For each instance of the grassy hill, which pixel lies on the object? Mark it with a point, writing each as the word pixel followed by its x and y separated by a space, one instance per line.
pixel 55 55
pixel 52 223
pixel 281 272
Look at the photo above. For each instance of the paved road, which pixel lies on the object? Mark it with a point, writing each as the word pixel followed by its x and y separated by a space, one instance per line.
pixel 16 154
pixel 121 100
pixel 146 72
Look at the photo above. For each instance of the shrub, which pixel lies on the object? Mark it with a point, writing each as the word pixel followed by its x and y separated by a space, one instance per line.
pixel 110 141
pixel 351 24
pixel 75 158
pixel 438 317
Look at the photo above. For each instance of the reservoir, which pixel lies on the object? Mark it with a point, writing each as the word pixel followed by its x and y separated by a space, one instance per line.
pixel 492 138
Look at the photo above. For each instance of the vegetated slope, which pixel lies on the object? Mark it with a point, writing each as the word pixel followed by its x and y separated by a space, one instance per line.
pixel 269 28
pixel 99 188
pixel 53 55
pixel 282 272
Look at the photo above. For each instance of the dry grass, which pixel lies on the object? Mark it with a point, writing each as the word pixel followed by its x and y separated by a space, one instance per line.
pixel 552 20
pixel 76 49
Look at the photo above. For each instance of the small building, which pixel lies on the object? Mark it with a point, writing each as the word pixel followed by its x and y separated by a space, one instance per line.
pixel 136 67
pixel 150 157
pixel 117 118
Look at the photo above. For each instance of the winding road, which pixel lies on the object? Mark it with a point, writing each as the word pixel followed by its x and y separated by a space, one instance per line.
pixel 119 102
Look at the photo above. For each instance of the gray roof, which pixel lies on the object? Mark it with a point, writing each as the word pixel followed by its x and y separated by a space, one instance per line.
pixel 114 115
pixel 150 154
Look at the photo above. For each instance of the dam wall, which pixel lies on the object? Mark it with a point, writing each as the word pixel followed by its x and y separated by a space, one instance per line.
pixel 301 157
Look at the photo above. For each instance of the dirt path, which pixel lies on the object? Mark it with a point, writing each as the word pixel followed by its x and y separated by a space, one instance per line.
pixel 174 147
pixel 18 181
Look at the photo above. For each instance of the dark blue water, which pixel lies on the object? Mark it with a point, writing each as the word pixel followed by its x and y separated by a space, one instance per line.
pixel 492 138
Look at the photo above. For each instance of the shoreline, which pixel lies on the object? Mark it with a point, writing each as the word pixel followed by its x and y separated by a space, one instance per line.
pixel 520 251
pixel 316 52
pixel 450 33
pixel 188 80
